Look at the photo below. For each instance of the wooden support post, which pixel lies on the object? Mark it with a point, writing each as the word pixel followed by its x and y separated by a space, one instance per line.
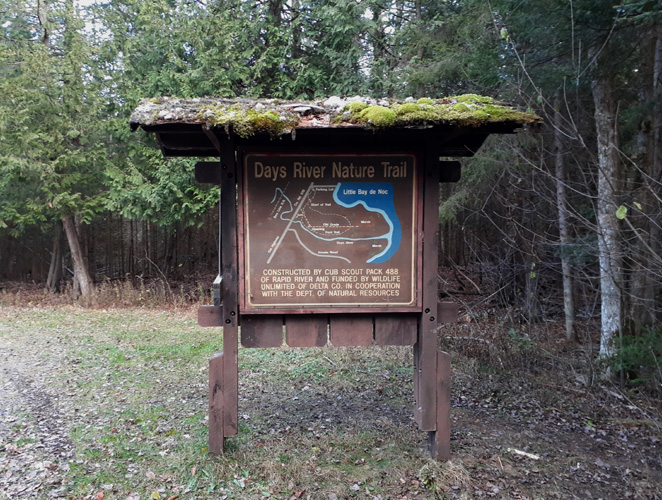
pixel 230 287
pixel 223 367
pixel 216 440
pixel 440 439
pixel 425 349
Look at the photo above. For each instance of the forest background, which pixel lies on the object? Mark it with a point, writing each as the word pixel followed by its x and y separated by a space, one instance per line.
pixel 563 225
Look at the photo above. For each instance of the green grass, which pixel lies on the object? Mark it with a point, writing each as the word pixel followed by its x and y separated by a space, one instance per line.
pixel 23 441
pixel 315 420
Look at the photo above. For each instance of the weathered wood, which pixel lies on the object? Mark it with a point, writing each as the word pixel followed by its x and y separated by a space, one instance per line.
pixel 261 331
pixel 440 440
pixel 330 310
pixel 395 329
pixel 216 440
pixel 350 330
pixel 417 383
pixel 208 172
pixel 306 331
pixel 426 346
pixel 272 242
pixel 229 287
pixel 450 171
pixel 210 315
pixel 447 312
pixel 177 123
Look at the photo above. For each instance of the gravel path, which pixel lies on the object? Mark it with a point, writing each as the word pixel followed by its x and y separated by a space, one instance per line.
pixel 35 448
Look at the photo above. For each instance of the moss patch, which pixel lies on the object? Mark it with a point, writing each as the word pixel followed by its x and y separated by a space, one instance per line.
pixel 464 110
pixel 378 116
pixel 471 98
pixel 356 106
pixel 406 108
pixel 247 117
pixel 247 122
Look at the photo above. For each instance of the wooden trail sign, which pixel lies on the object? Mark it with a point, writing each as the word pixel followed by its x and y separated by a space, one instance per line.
pixel 329 227
pixel 328 231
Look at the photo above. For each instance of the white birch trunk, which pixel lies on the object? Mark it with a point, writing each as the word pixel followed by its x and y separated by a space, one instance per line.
pixel 608 233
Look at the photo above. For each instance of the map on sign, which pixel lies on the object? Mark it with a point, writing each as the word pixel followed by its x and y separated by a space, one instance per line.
pixel 329 231
pixel 345 221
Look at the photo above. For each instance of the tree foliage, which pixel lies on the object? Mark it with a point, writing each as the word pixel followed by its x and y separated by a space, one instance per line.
pixel 70 78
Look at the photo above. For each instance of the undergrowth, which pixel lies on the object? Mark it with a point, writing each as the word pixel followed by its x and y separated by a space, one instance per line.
pixel 639 358
pixel 115 293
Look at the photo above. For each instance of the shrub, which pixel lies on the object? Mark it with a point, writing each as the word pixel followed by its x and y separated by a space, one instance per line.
pixel 639 356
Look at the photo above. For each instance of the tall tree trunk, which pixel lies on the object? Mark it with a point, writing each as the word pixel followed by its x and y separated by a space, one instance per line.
pixel 564 232
pixel 43 21
pixel 643 276
pixel 378 67
pixel 657 106
pixel 55 269
pixel 608 233
pixel 655 234
pixel 420 90
pixel 653 288
pixel 81 272
pixel 532 312
pixel 123 271
pixel 132 250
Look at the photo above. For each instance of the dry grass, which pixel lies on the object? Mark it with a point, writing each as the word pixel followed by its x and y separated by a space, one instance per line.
pixel 118 293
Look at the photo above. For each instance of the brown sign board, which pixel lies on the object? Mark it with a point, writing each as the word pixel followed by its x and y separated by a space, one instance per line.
pixel 325 233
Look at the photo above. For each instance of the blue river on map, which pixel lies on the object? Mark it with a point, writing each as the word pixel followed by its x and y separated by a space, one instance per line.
pixel 374 197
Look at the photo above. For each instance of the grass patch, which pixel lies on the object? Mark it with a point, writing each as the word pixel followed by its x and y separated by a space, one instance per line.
pixel 134 383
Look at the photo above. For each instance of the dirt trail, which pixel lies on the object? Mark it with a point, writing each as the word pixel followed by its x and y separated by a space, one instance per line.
pixel 34 439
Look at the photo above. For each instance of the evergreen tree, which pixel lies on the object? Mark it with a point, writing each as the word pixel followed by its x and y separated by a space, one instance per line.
pixel 51 154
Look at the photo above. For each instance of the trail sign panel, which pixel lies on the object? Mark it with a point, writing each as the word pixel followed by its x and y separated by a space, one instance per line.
pixel 329 231
pixel 329 248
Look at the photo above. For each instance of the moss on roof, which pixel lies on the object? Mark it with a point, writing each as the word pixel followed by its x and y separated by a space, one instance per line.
pixel 246 117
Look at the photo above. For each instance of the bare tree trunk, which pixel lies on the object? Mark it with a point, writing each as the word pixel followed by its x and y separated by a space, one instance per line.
pixel 532 311
pixel 564 233
pixel 132 250
pixel 655 233
pixel 81 272
pixel 122 259
pixel 55 269
pixel 420 90
pixel 608 233
pixel 43 21
pixel 657 108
